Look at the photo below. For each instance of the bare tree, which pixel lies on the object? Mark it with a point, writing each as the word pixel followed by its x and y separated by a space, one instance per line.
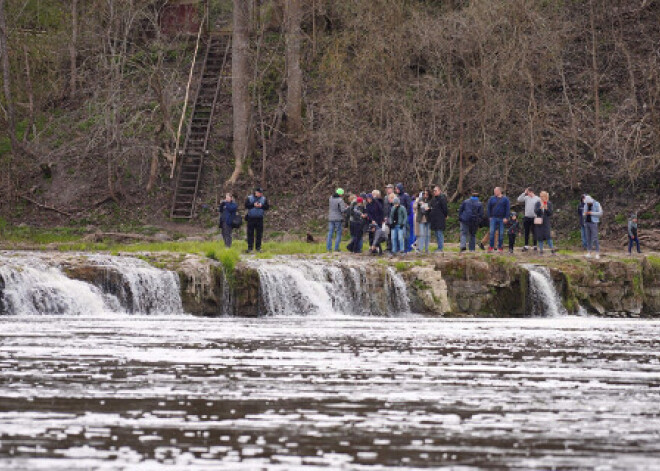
pixel 292 25
pixel 240 65
pixel 73 52
pixel 6 80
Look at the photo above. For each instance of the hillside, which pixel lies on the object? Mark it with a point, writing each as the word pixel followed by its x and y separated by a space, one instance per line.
pixel 563 96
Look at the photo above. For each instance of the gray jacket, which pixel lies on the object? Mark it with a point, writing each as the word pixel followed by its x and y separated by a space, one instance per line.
pixel 530 204
pixel 336 208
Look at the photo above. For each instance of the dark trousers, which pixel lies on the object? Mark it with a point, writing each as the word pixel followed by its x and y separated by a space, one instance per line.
pixel 528 226
pixel 632 241
pixel 512 241
pixel 227 233
pixel 255 225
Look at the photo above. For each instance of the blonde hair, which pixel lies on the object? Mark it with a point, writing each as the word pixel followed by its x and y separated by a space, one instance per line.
pixel 544 196
pixel 391 197
pixel 376 193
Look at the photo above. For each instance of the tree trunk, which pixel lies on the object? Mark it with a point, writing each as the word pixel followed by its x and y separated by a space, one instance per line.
pixel 73 53
pixel 293 19
pixel 596 81
pixel 240 65
pixel 6 81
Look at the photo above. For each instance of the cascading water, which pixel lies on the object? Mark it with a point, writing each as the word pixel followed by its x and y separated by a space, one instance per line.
pixel 35 285
pixel 544 301
pixel 327 288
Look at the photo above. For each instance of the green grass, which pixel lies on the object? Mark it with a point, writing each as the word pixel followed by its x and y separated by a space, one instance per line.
pixel 654 260
pixel 37 236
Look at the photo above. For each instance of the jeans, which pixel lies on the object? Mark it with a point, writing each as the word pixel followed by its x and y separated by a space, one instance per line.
pixel 549 241
pixel 591 232
pixel 468 236
pixel 499 223
pixel 528 226
pixel 423 237
pixel 398 239
pixel 334 226
pixel 583 236
pixel 631 241
pixel 357 236
pixel 440 236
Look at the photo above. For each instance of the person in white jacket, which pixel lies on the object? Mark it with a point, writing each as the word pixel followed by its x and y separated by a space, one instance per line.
pixel 592 213
pixel 530 199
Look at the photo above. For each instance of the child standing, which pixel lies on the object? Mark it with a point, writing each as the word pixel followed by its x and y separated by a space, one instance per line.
pixel 632 233
pixel 512 229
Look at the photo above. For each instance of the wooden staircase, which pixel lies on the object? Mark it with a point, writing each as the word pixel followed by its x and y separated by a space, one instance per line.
pixel 213 71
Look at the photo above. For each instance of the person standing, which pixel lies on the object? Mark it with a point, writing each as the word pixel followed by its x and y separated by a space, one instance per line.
pixel 580 210
pixel 406 202
pixel 336 209
pixel 512 229
pixel 469 216
pixel 422 220
pixel 543 231
pixel 592 213
pixel 257 205
pixel 227 210
pixel 530 199
pixel 387 209
pixel 357 225
pixel 438 217
pixel 633 237
pixel 373 213
pixel 499 208
pixel 398 221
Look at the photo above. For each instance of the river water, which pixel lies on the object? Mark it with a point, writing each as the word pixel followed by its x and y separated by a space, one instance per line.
pixel 282 393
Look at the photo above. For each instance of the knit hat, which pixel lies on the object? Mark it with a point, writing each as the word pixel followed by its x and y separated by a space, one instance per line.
pixel 389 185
pixel 588 199
pixel 397 200
pixel 340 191
pixel 370 196
pixel 359 199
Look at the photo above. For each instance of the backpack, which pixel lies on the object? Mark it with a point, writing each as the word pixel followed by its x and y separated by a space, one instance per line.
pixel 236 221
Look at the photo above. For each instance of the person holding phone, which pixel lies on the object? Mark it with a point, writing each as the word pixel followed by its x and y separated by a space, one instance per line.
pixel 542 224
pixel 227 210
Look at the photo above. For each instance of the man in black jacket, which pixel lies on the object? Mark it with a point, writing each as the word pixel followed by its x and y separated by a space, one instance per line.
pixel 257 205
pixel 438 216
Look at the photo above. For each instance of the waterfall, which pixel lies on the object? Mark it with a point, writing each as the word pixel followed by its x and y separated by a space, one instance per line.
pixel 34 284
pixel 544 301
pixel 328 288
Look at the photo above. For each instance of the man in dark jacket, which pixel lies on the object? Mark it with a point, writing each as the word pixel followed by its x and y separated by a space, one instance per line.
pixel 470 215
pixel 257 205
pixel 438 216
pixel 227 210
pixel 499 208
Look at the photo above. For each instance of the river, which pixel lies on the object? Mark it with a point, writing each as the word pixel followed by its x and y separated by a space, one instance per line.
pixel 280 393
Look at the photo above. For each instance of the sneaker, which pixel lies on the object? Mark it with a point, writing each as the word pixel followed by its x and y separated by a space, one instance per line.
pixel 490 249
pixel 535 247
pixel 597 257
pixel 540 253
pixel 259 250
pixel 525 249
pixel 588 255
pixel 553 251
pixel 481 246
pixel 510 250
pixel 500 250
pixel 463 249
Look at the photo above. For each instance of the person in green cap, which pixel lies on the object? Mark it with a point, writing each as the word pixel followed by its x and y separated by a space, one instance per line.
pixel 336 210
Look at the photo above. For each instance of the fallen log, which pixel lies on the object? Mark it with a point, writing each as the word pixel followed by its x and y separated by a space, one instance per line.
pixel 45 206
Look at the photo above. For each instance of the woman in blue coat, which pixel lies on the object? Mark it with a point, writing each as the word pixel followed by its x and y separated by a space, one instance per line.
pixel 227 210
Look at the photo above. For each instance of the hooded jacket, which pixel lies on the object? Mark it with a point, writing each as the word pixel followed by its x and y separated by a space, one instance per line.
pixel 336 208
pixel 438 213
pixel 596 211
pixel 404 198
pixel 227 211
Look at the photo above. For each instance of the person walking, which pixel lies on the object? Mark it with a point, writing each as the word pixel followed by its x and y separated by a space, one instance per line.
pixel 592 213
pixel 357 225
pixel 512 230
pixel 530 199
pixel 227 210
pixel 633 237
pixel 542 225
pixel 499 208
pixel 422 220
pixel 470 214
pixel 257 205
pixel 438 217
pixel 398 220
pixel 336 209
pixel 580 211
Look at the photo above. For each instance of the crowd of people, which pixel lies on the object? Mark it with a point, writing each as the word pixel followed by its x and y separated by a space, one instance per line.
pixel 405 223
